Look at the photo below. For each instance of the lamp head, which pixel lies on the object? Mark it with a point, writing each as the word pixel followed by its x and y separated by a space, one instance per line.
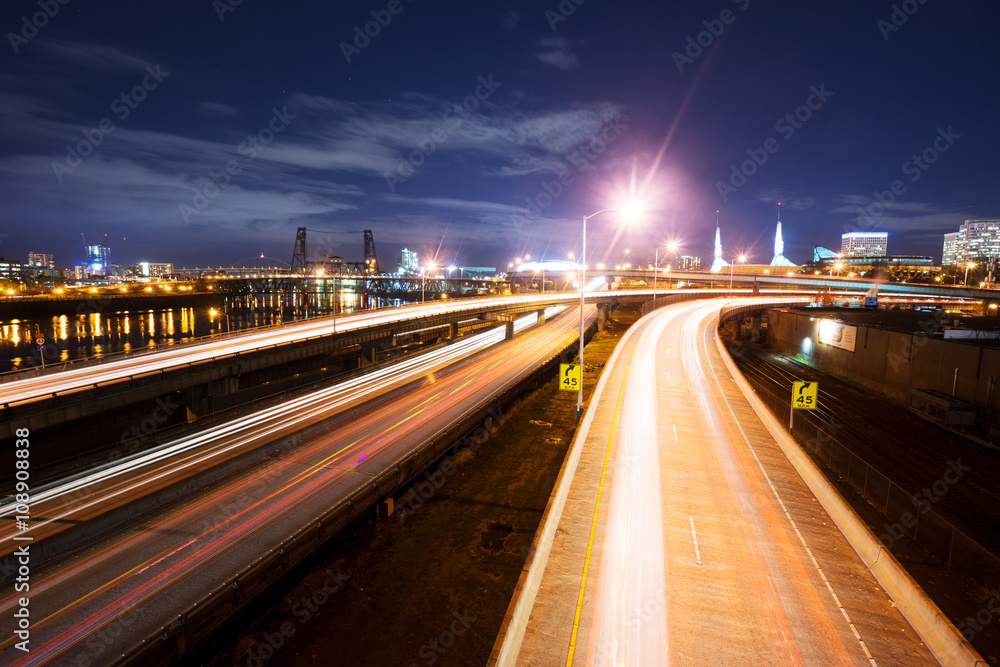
pixel 631 210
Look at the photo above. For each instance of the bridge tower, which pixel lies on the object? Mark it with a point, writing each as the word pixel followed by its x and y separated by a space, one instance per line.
pixel 371 260
pixel 299 252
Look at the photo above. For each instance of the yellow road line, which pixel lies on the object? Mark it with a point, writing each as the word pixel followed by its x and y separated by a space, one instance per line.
pixel 597 506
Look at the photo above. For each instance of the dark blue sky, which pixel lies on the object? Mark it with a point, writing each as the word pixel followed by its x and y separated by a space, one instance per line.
pixel 598 95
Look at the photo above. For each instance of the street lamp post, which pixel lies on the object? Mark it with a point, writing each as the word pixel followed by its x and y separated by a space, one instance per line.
pixel 671 248
pixel 656 271
pixel 740 259
pixel 583 280
pixel 968 265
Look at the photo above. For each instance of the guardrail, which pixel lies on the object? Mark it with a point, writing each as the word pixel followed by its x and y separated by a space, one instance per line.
pixel 172 641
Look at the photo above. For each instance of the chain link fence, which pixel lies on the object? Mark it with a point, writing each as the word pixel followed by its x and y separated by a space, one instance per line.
pixel 907 514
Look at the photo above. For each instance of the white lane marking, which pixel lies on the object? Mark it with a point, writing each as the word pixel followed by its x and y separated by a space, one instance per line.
pixel 822 574
pixel 675 434
pixel 697 553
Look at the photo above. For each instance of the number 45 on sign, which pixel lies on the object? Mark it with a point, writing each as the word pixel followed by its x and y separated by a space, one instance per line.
pixel 804 397
pixel 569 377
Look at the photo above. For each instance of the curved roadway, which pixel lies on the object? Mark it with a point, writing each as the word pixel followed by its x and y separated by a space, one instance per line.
pixel 687 538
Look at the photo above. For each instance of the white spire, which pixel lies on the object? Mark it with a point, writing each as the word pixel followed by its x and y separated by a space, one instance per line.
pixel 779 245
pixel 718 262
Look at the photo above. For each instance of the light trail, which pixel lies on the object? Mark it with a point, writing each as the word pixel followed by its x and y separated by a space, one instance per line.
pixel 713 551
pixel 24 390
pixel 95 604
pixel 19 391
pixel 216 442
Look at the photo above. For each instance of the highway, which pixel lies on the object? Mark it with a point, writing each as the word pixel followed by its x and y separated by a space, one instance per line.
pixel 86 495
pixel 30 389
pixel 90 606
pixel 687 538
pixel 36 388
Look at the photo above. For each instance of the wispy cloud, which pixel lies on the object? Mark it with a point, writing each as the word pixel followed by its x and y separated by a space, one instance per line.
pixel 557 52
pixel 471 206
pixel 903 216
pixel 87 54
pixel 775 196
pixel 218 109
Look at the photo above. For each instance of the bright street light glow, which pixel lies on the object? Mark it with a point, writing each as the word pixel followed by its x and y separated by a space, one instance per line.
pixel 631 211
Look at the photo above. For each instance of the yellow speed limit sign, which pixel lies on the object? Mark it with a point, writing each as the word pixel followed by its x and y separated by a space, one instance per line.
pixel 804 395
pixel 570 377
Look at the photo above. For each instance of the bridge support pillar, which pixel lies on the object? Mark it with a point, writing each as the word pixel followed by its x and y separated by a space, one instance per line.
pixel 453 331
pixel 541 316
pixel 602 317
pixel 755 328
pixel 510 330
pixel 756 288
pixel 386 508
pixel 369 354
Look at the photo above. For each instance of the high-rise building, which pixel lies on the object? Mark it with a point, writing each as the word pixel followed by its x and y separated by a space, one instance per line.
pixel 688 263
pixel 977 238
pixel 949 254
pixel 156 269
pixel 864 244
pixel 9 270
pixel 41 259
pixel 409 263
pixel 99 259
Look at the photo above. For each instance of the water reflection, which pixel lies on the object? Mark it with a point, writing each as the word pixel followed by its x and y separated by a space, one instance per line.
pixel 71 337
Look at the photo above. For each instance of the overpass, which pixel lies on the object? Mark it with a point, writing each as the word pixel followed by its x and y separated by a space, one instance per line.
pixel 806 282
pixel 80 412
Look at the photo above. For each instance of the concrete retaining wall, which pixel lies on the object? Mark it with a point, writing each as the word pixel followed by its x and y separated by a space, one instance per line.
pixel 891 362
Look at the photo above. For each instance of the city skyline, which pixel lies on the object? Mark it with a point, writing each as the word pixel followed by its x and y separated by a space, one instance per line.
pixel 206 136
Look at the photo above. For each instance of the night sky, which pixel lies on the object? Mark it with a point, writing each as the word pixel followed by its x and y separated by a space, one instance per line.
pixel 233 123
